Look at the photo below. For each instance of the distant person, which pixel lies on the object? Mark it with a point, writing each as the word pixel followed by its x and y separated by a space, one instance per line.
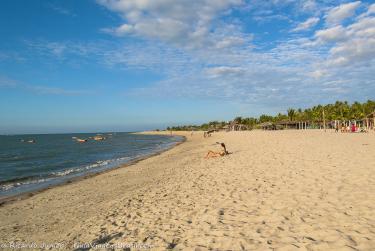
pixel 353 128
pixel 337 128
pixel 208 133
pixel 212 154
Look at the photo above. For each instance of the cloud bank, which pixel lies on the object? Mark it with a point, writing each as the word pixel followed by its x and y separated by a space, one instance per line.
pixel 209 49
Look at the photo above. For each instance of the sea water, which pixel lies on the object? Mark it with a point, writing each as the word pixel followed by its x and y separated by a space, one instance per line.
pixel 32 162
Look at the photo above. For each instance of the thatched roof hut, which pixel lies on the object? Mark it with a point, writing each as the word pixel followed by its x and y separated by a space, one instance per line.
pixel 235 126
pixel 268 126
pixel 286 124
pixel 224 128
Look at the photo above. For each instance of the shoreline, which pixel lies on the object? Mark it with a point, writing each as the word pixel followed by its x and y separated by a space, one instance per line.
pixel 28 194
pixel 287 190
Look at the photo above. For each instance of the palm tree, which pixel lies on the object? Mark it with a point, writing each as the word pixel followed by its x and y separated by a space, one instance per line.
pixel 265 118
pixel 238 120
pixel 280 117
pixel 340 110
pixel 369 107
pixel 291 114
pixel 308 114
pixel 356 111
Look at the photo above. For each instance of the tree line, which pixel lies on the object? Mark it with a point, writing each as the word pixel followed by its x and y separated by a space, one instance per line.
pixel 340 110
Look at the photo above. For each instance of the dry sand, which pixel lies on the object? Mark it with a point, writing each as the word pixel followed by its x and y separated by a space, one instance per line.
pixel 279 190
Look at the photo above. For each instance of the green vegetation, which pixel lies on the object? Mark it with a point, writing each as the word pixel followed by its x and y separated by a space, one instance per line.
pixel 337 111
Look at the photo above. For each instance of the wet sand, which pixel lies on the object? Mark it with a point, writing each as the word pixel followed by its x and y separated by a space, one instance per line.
pixel 278 190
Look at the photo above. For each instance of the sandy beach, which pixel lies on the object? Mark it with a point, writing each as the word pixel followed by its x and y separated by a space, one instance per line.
pixel 278 190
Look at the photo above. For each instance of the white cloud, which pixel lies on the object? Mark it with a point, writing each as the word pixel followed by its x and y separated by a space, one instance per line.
pixel 198 55
pixel 46 90
pixel 309 23
pixel 123 29
pixel 352 49
pixel 334 34
pixel 6 82
pixel 337 14
pixel 11 56
pixel 309 5
pixel 363 27
pixel 317 74
pixel 269 18
pixel 225 71
pixel 359 47
pixel 371 9
pixel 184 23
pixel 62 10
pixel 55 48
pixel 230 42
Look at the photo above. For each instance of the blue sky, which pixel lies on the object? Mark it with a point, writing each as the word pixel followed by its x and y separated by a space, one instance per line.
pixel 73 66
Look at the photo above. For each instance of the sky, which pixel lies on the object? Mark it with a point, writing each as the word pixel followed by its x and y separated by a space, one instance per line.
pixel 129 65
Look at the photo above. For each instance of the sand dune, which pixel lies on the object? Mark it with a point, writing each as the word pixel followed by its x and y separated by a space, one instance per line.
pixel 280 190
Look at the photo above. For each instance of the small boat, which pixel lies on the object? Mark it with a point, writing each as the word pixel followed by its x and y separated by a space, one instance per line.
pixel 80 140
pixel 99 138
pixel 31 141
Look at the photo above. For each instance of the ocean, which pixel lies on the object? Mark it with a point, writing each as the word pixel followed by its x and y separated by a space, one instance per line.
pixel 33 162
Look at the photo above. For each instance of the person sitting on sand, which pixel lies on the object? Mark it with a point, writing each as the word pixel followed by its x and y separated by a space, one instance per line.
pixel 212 154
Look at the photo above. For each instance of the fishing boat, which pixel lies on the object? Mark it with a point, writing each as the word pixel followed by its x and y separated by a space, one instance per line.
pixel 99 138
pixel 80 140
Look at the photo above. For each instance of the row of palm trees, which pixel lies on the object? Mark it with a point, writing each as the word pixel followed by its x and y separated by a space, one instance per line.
pixel 340 110
pixel 337 111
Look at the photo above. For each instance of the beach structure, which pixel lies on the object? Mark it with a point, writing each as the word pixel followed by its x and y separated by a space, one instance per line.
pixel 224 128
pixel 299 125
pixel 208 133
pixel 286 124
pixel 267 126
pixel 369 121
pixel 235 126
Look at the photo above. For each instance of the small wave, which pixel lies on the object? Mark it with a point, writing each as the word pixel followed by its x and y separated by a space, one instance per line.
pixel 8 186
pixel 63 173
pixel 97 164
